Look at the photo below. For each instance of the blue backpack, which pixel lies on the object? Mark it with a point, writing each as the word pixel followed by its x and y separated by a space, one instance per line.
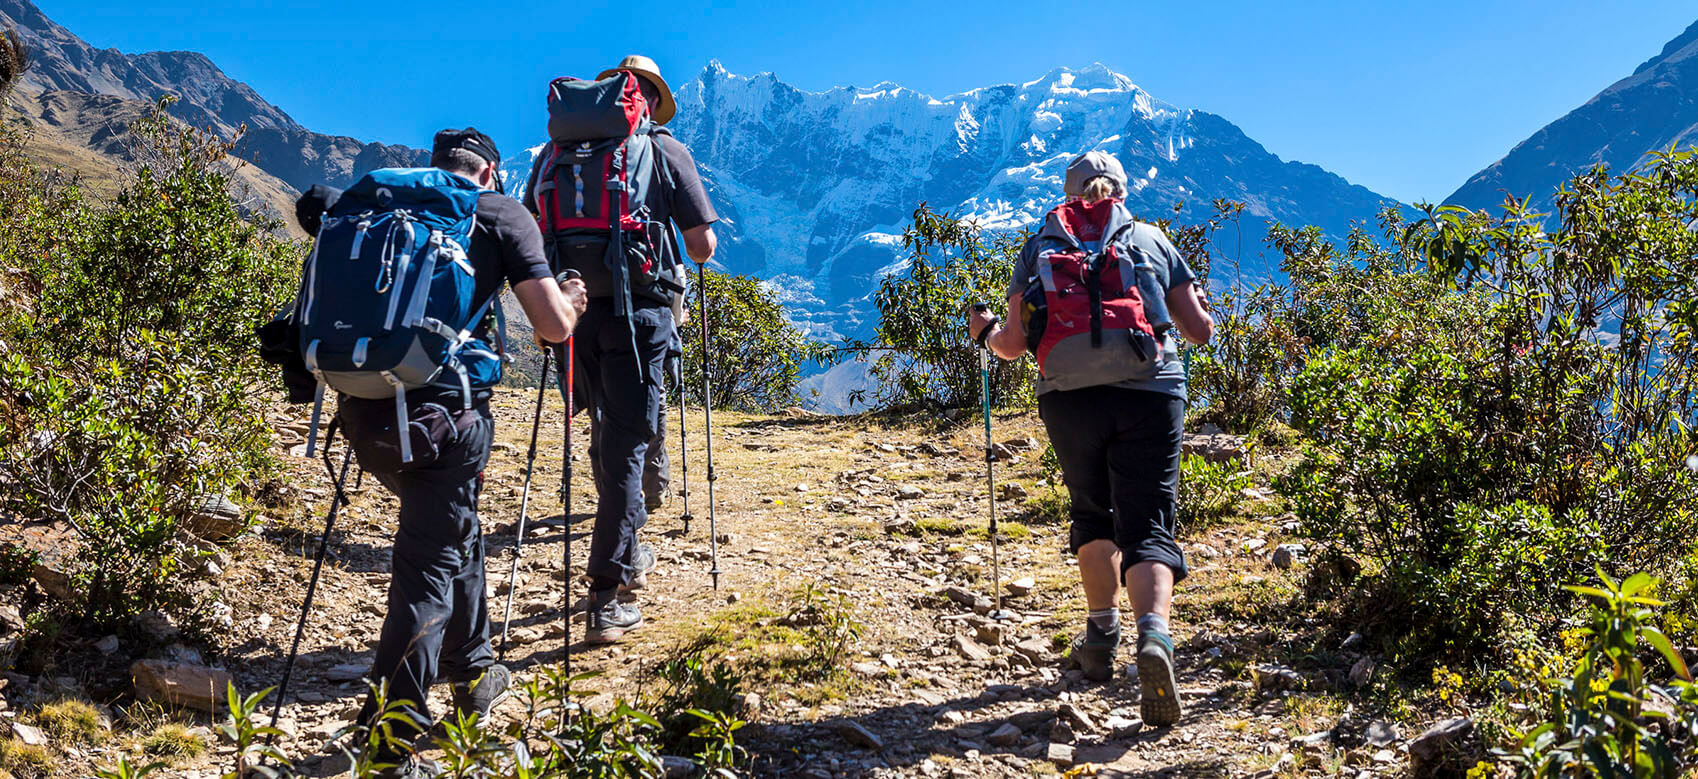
pixel 386 297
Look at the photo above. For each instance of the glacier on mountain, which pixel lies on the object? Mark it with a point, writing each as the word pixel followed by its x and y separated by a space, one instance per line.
pixel 816 188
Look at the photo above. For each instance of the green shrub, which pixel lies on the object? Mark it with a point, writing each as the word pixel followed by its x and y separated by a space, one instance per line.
pixel 1210 491
pixel 697 708
pixel 1608 718
pixel 920 353
pixel 1237 381
pixel 14 60
pixel 554 738
pixel 755 351
pixel 1489 428
pixel 128 381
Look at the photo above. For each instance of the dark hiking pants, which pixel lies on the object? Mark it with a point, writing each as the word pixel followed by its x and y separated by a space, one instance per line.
pixel 1119 451
pixel 623 362
pixel 437 625
pixel 657 467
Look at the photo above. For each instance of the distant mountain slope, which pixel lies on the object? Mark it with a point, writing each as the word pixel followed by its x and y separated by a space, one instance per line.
pixel 816 187
pixel 206 98
pixel 88 134
pixel 1650 110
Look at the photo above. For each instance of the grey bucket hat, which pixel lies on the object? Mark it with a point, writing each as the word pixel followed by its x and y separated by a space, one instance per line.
pixel 1090 165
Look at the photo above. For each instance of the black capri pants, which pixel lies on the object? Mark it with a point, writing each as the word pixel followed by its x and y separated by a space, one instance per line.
pixel 1119 450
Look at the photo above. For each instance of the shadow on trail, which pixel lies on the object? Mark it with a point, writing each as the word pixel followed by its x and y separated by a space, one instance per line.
pixel 912 733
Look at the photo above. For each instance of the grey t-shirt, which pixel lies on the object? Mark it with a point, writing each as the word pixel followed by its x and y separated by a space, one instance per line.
pixel 1171 271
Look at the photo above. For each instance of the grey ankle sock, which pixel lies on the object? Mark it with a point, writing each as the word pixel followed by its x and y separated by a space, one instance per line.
pixel 1152 623
pixel 1105 620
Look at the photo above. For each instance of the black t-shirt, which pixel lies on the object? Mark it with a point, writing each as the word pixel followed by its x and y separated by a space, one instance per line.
pixel 686 203
pixel 506 245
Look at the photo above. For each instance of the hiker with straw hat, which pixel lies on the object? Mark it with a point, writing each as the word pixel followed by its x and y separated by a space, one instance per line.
pixel 626 249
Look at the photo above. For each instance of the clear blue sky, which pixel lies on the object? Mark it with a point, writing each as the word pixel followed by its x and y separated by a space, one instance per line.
pixel 1407 99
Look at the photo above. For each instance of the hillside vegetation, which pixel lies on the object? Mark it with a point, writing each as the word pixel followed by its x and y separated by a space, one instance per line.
pixel 1436 482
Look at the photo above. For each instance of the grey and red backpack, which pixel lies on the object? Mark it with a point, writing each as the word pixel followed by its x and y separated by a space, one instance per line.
pixel 590 189
pixel 1094 311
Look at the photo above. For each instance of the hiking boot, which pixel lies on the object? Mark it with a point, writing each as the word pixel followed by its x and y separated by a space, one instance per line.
pixel 654 502
pixel 482 694
pixel 1160 699
pixel 643 561
pixel 1092 652
pixel 609 623
pixel 412 767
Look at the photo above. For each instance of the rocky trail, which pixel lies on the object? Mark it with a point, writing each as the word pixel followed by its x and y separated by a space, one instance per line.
pixel 855 587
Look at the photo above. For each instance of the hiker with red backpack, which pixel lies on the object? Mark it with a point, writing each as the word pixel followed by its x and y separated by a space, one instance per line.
pixel 607 191
pixel 1099 296
pixel 394 314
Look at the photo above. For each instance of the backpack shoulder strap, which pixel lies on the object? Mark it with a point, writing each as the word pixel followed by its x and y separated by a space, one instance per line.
pixel 665 171
pixel 528 195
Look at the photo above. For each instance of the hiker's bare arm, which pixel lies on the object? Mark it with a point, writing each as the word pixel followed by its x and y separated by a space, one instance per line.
pixel 552 308
pixel 700 243
pixel 1191 313
pixel 1008 340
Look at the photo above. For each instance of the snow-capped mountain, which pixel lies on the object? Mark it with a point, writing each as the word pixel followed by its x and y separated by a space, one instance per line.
pixel 815 188
pixel 1654 108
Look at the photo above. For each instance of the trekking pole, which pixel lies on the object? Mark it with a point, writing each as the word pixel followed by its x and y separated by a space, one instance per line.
pixel 707 417
pixel 990 475
pixel 570 374
pixel 525 500
pixel 683 440
pixel 336 502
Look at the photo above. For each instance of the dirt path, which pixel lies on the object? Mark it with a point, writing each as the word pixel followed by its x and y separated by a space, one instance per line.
pixel 880 527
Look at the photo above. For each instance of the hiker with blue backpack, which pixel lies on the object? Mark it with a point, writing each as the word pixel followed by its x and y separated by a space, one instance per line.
pixel 607 192
pixel 395 313
pixel 1099 298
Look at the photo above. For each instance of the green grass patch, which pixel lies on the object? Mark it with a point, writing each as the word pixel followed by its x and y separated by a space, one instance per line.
pixel 802 642
pixel 940 526
pixel 25 761
pixel 71 720
pixel 173 740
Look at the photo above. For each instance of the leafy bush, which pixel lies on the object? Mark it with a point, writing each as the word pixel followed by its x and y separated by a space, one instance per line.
pixel 1266 332
pixel 697 711
pixel 1489 429
pixel 1209 491
pixel 14 60
pixel 1237 380
pixel 127 380
pixel 755 351
pixel 921 355
pixel 554 738
pixel 1608 719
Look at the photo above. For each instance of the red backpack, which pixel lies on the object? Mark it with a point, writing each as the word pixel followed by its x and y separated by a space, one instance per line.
pixel 590 189
pixel 1094 310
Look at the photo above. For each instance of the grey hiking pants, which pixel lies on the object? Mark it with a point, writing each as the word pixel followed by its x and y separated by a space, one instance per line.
pixel 437 624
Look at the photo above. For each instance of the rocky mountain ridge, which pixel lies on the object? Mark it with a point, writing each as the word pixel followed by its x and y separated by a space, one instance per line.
pixel 1653 109
pixel 207 97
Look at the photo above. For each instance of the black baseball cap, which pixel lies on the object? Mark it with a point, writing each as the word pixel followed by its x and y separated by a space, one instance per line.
pixel 470 139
